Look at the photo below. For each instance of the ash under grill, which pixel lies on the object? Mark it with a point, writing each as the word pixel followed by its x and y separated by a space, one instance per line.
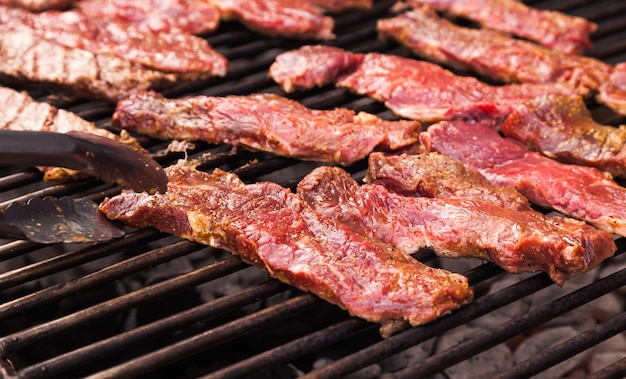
pixel 153 305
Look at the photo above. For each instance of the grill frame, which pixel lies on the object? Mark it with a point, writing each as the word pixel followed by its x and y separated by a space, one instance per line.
pixel 211 325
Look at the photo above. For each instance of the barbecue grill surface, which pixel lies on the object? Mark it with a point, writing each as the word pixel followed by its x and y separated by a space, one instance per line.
pixel 154 305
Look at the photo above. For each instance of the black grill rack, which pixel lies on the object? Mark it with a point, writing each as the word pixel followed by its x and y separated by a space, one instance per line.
pixel 153 305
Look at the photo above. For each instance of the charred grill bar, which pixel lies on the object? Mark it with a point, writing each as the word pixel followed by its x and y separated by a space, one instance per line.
pixel 152 305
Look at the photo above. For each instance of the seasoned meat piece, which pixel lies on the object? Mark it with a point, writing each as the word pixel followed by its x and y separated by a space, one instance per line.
pixel 457 227
pixel 191 16
pixel 25 57
pixel 38 5
pixel 492 54
pixel 19 111
pixel 266 122
pixel 437 175
pixel 272 228
pixel 554 29
pixel 334 6
pixel 312 66
pixel 613 92
pixel 410 88
pixel 166 51
pixel 582 192
pixel 297 19
pixel 562 128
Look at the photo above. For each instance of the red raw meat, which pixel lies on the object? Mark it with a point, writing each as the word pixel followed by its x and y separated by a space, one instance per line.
pixel 412 89
pixel 271 227
pixel 561 127
pixel 585 193
pixel 266 122
pixel 191 16
pixel 554 29
pixel 457 227
pixel 492 54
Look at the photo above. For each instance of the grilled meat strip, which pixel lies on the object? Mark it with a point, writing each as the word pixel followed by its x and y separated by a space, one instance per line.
pixel 553 29
pixel 336 6
pixel 19 111
pixel 287 18
pixel 456 227
pixel 410 88
pixel 266 122
pixel 437 175
pixel 25 57
pixel 585 193
pixel 38 5
pixel 191 16
pixel 613 92
pixel 271 227
pixel 492 54
pixel 561 127
pixel 165 51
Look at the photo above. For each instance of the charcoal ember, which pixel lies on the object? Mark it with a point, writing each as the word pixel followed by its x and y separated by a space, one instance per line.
pixel 537 343
pixel 485 364
pixel 408 356
pixel 509 311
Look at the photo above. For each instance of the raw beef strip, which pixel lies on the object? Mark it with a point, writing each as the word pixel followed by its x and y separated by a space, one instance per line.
pixel 437 175
pixel 335 6
pixel 266 122
pixel 191 16
pixel 26 58
pixel 613 92
pixel 456 227
pixel 492 54
pixel 166 51
pixel 38 5
pixel 297 19
pixel 585 193
pixel 410 88
pixel 561 127
pixel 273 228
pixel 554 29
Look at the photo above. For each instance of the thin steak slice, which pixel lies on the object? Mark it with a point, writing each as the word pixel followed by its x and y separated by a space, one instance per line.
pixel 273 228
pixel 336 6
pixel 437 175
pixel 457 227
pixel 585 193
pixel 266 122
pixel 554 29
pixel 191 16
pixel 38 5
pixel 492 54
pixel 165 51
pixel 613 92
pixel 410 88
pixel 26 58
pixel 297 19
pixel 561 127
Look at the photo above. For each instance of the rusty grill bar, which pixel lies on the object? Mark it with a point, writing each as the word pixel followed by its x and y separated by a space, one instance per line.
pixel 138 306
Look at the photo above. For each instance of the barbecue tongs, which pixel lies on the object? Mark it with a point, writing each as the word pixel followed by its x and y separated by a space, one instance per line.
pixel 51 220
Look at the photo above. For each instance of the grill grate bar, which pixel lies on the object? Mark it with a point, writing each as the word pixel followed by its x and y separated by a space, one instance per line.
pixel 412 337
pixel 211 338
pixel 292 350
pixel 616 370
pixel 64 261
pixel 33 335
pixel 567 349
pixel 502 333
pixel 92 353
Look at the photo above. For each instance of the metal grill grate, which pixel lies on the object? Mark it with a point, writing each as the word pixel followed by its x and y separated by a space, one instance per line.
pixel 140 306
